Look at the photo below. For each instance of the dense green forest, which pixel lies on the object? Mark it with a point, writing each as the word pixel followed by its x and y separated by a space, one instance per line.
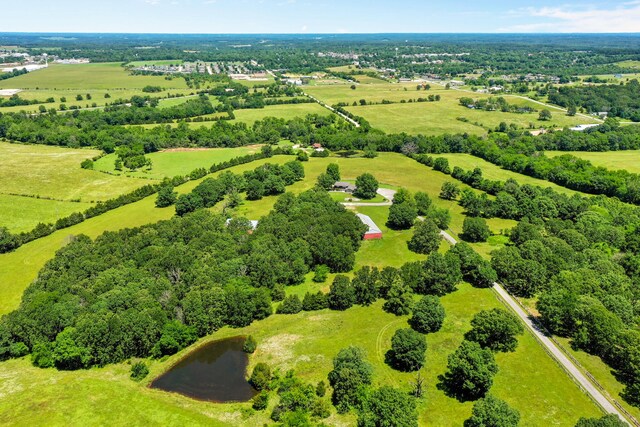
pixel 153 290
pixel 617 100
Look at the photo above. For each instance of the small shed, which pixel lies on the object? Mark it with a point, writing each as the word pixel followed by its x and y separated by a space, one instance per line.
pixel 374 231
pixel 344 186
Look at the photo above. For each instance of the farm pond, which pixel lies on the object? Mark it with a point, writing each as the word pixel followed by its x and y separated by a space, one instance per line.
pixel 213 372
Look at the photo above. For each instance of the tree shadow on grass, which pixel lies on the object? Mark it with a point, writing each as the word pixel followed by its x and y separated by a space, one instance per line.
pixel 451 388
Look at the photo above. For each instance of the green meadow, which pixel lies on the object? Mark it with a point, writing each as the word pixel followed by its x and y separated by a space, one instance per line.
pixel 55 172
pixel 21 213
pixel 628 160
pixel 432 118
pixel 181 161
pixel 68 81
pixel 528 379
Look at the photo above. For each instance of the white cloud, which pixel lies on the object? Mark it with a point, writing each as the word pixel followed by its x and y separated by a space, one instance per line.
pixel 152 2
pixel 623 18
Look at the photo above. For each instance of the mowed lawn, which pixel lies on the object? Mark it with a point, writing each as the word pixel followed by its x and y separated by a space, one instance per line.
pixel 628 160
pixel 181 161
pixel 55 172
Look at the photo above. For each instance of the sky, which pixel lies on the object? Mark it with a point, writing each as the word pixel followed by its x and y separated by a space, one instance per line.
pixel 320 16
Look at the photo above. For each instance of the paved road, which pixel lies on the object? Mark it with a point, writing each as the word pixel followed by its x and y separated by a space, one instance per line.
pixel 550 345
pixel 333 110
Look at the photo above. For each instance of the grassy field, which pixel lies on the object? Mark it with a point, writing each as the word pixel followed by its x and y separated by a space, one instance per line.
pixel 79 79
pixel 171 163
pixel 528 379
pixel 494 172
pixel 155 62
pixel 19 268
pixel 20 213
pixel 249 116
pixel 431 118
pixel 287 111
pixel 54 172
pixel 602 373
pixel 436 118
pixel 628 160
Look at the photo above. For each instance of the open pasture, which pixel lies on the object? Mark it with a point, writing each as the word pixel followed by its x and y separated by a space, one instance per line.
pixel 55 172
pixel 306 342
pixel 448 116
pixel 20 213
pixel 528 379
pixel 179 161
pixel 628 160
pixel 494 172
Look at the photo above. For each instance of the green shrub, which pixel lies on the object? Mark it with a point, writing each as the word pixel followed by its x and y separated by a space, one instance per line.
pixel 139 370
pixel 250 344
pixel 320 274
pixel 261 401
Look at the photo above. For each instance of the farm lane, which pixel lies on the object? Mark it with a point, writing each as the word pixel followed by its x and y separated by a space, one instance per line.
pixel 557 354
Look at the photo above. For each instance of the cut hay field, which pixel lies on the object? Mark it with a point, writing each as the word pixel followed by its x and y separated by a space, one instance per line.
pixel 55 172
pixel 628 160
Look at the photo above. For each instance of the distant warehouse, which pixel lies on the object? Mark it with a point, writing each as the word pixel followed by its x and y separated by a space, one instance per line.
pixel 374 231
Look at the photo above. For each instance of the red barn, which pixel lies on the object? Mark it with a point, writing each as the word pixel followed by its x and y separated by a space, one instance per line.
pixel 374 231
